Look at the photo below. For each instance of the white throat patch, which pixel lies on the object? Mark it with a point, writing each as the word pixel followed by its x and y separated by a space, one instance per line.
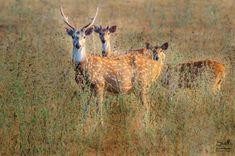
pixel 78 55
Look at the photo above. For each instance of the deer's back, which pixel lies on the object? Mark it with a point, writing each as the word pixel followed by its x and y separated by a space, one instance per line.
pixel 189 72
pixel 201 66
pixel 147 70
pixel 120 75
pixel 115 74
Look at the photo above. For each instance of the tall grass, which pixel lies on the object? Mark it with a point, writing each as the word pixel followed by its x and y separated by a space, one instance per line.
pixel 44 112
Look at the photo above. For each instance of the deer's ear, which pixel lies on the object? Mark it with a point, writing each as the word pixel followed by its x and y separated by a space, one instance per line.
pixel 112 29
pixel 164 46
pixel 89 31
pixel 96 29
pixel 148 46
pixel 69 31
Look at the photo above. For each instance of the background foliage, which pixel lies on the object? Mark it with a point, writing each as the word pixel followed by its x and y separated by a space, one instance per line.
pixel 44 112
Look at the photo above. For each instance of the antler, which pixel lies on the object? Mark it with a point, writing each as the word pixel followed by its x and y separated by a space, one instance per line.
pixel 65 18
pixel 93 21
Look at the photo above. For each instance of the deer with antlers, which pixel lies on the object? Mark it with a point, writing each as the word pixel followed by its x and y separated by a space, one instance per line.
pixel 117 75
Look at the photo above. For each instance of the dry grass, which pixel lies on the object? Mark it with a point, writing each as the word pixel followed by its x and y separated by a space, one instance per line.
pixel 43 111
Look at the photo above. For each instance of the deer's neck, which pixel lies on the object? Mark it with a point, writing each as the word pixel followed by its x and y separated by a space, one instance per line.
pixel 78 55
pixel 160 65
pixel 161 62
pixel 161 59
pixel 106 48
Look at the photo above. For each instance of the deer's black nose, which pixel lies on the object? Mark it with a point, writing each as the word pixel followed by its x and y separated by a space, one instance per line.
pixel 104 54
pixel 77 46
pixel 103 41
pixel 155 57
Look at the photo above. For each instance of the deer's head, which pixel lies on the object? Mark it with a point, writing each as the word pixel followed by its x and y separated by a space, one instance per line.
pixel 104 33
pixel 158 52
pixel 78 35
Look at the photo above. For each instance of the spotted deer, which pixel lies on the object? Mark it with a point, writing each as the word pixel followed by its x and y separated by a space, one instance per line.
pixel 188 75
pixel 188 72
pixel 118 75
pixel 104 35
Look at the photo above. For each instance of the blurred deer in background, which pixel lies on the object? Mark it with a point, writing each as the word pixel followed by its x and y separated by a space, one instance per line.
pixel 104 35
pixel 188 75
pixel 117 75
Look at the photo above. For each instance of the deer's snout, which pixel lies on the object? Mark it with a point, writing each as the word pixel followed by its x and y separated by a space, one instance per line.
pixel 155 57
pixel 104 54
pixel 76 44
pixel 103 41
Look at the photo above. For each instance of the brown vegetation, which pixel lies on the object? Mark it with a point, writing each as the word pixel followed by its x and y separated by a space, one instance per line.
pixel 44 112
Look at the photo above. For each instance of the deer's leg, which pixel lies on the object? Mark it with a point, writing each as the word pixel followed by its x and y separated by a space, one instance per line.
pixel 92 90
pixel 217 84
pixel 99 92
pixel 144 98
pixel 145 103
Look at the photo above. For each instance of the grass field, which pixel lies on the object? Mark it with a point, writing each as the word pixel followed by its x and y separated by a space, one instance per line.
pixel 44 112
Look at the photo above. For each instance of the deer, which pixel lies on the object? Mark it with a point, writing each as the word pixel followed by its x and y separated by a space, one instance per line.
pixel 188 74
pixel 117 75
pixel 104 35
